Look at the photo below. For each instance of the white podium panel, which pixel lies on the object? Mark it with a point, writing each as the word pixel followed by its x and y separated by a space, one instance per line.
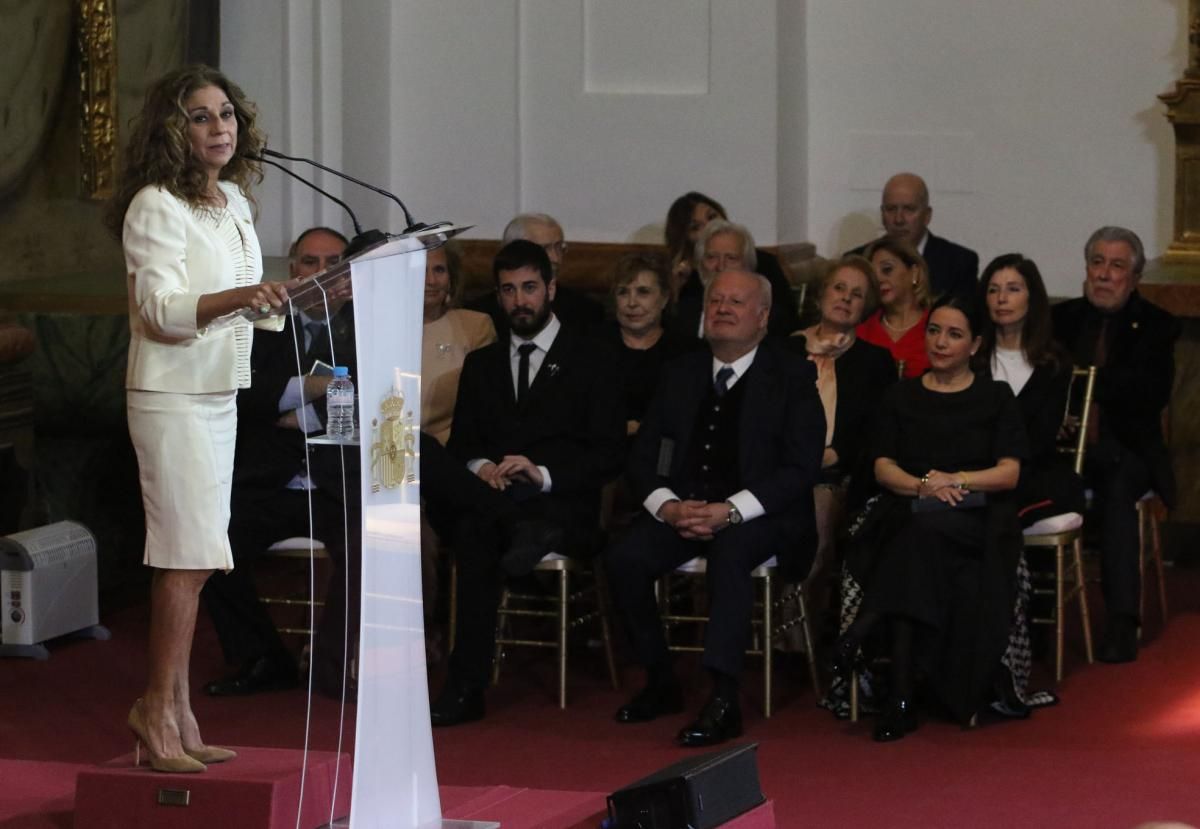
pixel 395 781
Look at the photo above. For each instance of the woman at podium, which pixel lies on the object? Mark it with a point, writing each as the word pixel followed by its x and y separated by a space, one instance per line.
pixel 182 211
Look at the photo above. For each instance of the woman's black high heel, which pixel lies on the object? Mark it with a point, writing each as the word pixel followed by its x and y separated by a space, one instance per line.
pixel 1007 703
pixel 898 719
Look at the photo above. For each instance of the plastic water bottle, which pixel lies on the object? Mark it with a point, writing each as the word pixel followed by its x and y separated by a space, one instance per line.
pixel 339 405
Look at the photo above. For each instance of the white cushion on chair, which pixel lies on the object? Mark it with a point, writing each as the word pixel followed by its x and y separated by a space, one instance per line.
pixel 1056 524
pixel 296 543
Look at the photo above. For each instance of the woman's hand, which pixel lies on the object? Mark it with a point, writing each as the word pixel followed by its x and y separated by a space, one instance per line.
pixel 267 296
pixel 947 487
pixel 263 298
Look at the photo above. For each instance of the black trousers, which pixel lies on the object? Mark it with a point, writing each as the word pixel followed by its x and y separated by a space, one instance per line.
pixel 1118 478
pixel 652 548
pixel 478 548
pixel 257 520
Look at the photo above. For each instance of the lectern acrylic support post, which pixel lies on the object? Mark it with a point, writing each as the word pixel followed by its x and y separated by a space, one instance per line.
pixel 395 781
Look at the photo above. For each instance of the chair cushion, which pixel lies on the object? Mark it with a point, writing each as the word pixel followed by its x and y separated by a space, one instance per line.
pixel 295 543
pixel 1056 524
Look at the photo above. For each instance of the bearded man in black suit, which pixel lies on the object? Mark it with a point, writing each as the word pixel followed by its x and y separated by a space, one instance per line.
pixel 1131 341
pixel 538 418
pixel 905 211
pixel 724 463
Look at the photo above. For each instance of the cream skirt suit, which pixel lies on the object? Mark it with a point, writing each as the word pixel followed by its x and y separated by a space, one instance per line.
pixel 182 380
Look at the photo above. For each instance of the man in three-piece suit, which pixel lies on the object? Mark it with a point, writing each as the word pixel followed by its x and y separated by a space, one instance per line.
pixel 273 484
pixel 1131 341
pixel 538 418
pixel 905 210
pixel 724 464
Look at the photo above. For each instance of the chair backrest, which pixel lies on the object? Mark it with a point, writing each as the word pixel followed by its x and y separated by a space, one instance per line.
pixel 1078 447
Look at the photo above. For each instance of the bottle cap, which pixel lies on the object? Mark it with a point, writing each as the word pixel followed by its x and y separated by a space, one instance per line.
pixel 341 371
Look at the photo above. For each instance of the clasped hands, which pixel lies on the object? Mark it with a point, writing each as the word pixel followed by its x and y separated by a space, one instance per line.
pixel 949 487
pixel 695 520
pixel 511 469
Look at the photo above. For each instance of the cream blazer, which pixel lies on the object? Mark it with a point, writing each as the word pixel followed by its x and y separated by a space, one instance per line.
pixel 174 254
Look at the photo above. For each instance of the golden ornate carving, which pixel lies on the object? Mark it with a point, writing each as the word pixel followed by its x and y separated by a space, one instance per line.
pixel 393 445
pixel 98 88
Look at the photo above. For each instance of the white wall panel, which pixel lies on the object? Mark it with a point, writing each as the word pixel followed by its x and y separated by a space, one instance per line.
pixel 608 163
pixel 1032 123
pixel 632 47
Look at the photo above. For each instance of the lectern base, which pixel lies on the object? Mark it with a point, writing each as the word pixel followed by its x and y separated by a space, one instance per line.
pixel 446 824
pixel 260 789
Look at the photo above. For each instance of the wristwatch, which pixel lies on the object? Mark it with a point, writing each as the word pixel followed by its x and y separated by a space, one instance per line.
pixel 735 517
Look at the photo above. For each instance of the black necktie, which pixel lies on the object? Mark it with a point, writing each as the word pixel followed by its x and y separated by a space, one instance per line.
pixel 316 334
pixel 721 384
pixel 525 349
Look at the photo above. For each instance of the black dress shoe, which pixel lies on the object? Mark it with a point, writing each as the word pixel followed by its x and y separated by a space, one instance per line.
pixel 528 542
pixel 898 718
pixel 651 702
pixel 719 720
pixel 262 674
pixel 458 703
pixel 1120 641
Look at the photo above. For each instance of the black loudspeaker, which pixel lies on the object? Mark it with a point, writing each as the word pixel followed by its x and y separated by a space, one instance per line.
pixel 697 793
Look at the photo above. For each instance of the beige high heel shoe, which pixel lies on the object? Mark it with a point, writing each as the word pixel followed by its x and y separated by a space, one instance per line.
pixel 174 765
pixel 210 754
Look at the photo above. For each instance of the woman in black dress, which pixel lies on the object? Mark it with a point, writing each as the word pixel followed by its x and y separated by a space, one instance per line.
pixel 640 294
pixel 948 454
pixel 1018 348
pixel 852 376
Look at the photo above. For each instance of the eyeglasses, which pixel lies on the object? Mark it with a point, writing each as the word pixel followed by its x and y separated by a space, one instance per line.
pixel 555 247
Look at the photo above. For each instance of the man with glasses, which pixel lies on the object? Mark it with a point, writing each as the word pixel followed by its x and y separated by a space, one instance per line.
pixel 272 482
pixel 728 246
pixel 570 305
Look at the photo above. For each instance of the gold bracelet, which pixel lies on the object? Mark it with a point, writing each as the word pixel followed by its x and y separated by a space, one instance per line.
pixel 965 483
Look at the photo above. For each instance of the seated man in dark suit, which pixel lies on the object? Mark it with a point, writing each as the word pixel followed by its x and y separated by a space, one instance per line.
pixel 573 307
pixel 725 464
pixel 275 477
pixel 725 246
pixel 1132 343
pixel 905 210
pixel 539 417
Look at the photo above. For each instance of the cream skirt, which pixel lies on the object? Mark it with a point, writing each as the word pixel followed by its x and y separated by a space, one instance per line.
pixel 184 445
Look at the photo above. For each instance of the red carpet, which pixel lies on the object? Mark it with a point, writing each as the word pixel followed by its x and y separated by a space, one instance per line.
pixel 1123 747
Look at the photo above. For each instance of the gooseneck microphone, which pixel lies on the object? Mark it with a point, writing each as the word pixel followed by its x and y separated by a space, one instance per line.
pixel 358 231
pixel 411 225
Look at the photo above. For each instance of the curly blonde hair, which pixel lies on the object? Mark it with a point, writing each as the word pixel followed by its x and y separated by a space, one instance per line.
pixel 159 151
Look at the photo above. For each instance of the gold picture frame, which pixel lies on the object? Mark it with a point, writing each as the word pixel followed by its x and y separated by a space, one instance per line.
pixel 186 31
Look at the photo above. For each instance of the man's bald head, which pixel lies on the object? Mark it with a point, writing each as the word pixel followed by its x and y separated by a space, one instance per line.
pixel 737 305
pixel 905 208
